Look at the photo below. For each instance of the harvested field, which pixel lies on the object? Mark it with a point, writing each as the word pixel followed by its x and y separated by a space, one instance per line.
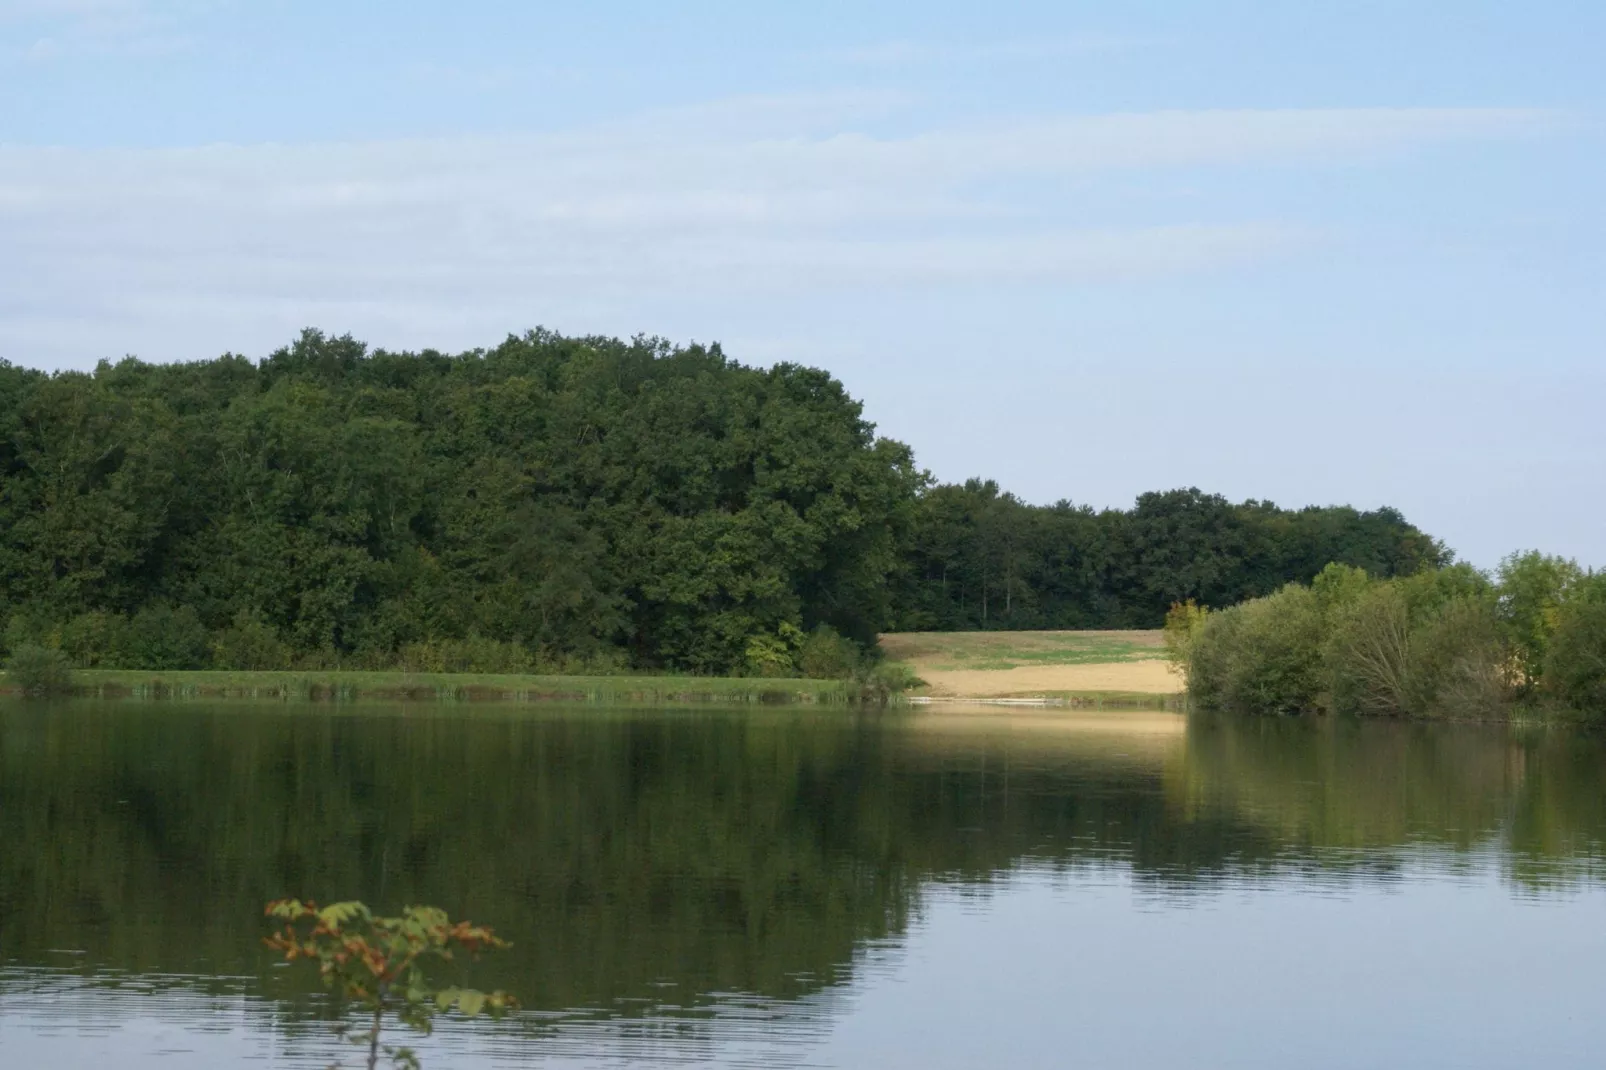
pixel 1030 664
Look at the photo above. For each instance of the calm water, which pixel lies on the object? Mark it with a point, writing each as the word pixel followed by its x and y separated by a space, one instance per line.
pixel 796 888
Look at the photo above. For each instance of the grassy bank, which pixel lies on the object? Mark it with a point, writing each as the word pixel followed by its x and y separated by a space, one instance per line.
pixel 407 686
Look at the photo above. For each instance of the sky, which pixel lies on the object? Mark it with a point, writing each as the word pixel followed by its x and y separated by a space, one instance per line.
pixel 1312 253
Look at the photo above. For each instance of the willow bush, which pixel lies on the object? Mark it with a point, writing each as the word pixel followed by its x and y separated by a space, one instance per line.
pixel 1446 643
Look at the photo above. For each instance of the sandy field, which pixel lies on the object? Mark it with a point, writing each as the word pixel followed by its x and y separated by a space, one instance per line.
pixel 1154 677
pixel 1027 664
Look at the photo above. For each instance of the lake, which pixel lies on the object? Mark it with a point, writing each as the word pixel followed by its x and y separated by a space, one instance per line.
pixel 779 887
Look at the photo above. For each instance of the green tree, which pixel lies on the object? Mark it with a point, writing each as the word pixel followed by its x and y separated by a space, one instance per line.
pixel 1533 588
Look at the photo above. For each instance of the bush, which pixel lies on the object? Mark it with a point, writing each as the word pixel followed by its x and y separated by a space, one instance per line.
pixel 771 655
pixel 1575 671
pixel 1337 587
pixel 39 670
pixel 161 637
pixel 1458 660
pixel 1368 654
pixel 1446 659
pixel 250 644
pixel 1533 587
pixel 94 640
pixel 1262 656
pixel 474 654
pixel 1183 623
pixel 826 655
pixel 28 626
pixel 880 681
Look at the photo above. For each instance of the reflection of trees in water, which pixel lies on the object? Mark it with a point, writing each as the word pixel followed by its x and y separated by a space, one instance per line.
pixel 1339 791
pixel 654 858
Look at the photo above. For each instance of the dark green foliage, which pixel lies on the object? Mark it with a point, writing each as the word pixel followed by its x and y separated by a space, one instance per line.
pixel 95 639
pixel 1575 671
pixel 552 501
pixel 38 670
pixel 163 637
pixel 825 655
pixel 560 503
pixel 981 559
pixel 249 643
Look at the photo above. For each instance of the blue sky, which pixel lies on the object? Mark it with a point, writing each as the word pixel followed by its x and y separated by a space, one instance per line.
pixel 1338 252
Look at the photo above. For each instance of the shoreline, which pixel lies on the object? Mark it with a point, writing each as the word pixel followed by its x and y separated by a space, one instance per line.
pixel 399 686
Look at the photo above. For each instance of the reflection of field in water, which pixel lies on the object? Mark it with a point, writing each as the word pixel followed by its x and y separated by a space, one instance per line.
pixel 1147 737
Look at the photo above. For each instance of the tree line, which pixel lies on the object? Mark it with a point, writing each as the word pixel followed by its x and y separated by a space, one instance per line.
pixel 555 502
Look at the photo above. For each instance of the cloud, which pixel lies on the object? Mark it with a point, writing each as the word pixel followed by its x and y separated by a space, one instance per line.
pixel 44 30
pixel 110 248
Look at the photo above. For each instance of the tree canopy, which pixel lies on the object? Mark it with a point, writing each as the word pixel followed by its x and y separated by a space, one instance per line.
pixel 559 501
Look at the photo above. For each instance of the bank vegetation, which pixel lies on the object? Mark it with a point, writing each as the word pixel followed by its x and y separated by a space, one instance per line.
pixel 1452 642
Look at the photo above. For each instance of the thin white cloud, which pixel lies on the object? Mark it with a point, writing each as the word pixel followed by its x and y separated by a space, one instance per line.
pixel 44 30
pixel 205 248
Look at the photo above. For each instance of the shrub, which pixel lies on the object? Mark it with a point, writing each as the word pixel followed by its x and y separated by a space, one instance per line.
pixel 94 640
pixel 880 681
pixel 1183 622
pixel 1457 664
pixel 30 626
pixel 250 644
pixel 161 637
pixel 1575 670
pixel 771 655
pixel 39 670
pixel 1426 592
pixel 1446 659
pixel 1533 587
pixel 1368 654
pixel 1338 587
pixel 826 655
pixel 473 654
pixel 1262 656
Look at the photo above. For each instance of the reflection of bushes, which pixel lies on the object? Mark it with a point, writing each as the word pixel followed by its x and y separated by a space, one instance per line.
pixel 1444 643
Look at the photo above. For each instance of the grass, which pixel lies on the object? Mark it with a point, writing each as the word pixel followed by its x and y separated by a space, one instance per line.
pixel 344 686
pixel 991 651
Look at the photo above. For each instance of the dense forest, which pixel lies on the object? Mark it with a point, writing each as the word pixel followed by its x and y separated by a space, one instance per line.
pixel 560 502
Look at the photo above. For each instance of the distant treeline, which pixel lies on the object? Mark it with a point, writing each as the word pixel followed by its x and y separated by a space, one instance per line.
pixel 560 503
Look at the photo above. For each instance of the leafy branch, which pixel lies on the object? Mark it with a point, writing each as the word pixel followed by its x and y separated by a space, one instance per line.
pixel 378 963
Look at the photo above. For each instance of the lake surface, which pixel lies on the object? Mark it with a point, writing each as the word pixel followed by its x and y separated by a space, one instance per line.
pixel 785 887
